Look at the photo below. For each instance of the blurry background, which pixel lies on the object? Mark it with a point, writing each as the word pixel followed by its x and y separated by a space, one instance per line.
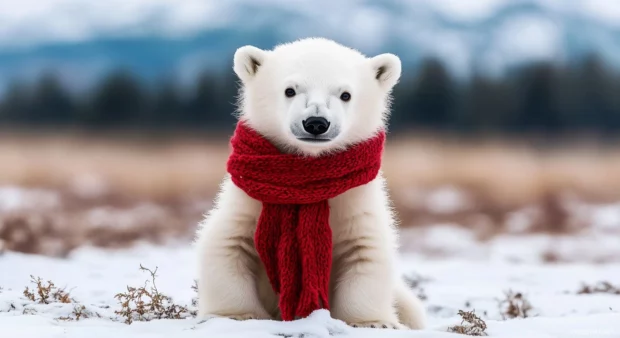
pixel 115 117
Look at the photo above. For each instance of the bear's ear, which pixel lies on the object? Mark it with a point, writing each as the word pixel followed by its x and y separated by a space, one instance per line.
pixel 247 61
pixel 386 69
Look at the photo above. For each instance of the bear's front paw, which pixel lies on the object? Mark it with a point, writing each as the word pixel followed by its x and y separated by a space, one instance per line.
pixel 380 325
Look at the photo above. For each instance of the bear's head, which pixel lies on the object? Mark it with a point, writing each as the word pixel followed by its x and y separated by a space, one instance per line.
pixel 314 96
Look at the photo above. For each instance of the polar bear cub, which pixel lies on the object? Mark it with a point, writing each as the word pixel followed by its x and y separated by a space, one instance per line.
pixel 347 95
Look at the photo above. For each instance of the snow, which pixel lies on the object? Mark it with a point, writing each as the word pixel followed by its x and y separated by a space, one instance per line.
pixel 17 198
pixel 124 217
pixel 94 276
pixel 455 268
pixel 605 217
pixel 451 240
pixel 446 200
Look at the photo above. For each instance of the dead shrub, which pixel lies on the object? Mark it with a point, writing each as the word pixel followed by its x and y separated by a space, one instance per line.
pixel 600 287
pixel 147 303
pixel 46 294
pixel 79 312
pixel 471 325
pixel 514 305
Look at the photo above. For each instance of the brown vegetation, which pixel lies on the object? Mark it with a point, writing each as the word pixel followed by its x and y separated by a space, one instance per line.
pixel 600 287
pixel 471 325
pixel 79 312
pixel 147 303
pixel 509 173
pixel 514 305
pixel 112 192
pixel 142 303
pixel 43 293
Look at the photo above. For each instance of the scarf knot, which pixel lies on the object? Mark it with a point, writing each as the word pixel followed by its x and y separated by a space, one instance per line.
pixel 293 238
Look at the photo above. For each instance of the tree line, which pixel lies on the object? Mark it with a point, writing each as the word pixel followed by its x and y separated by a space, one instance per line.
pixel 535 98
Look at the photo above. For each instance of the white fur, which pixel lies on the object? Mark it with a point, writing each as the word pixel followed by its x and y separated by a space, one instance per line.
pixel 365 288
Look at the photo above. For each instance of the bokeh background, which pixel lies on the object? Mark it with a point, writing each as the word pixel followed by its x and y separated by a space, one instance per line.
pixel 115 117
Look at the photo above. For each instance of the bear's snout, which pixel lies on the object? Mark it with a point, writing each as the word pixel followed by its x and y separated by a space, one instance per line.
pixel 316 125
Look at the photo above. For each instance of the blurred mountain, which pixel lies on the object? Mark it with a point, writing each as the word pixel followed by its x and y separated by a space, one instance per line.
pixel 489 36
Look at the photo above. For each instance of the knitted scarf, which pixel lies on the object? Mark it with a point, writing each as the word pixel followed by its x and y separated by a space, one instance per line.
pixel 293 237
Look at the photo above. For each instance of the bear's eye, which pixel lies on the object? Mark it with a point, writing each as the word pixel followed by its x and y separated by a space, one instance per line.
pixel 289 92
pixel 345 96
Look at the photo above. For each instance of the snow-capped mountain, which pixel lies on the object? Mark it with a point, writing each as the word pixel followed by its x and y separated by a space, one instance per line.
pixel 83 40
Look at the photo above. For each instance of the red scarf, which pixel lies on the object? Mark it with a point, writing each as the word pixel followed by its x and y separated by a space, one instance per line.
pixel 293 237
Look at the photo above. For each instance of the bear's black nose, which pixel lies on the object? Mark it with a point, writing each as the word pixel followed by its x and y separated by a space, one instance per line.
pixel 316 125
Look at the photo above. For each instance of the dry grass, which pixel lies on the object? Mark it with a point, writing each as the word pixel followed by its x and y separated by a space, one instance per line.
pixel 142 303
pixel 471 325
pixel 514 305
pixel 143 168
pixel 79 312
pixel 43 293
pixel 113 192
pixel 48 293
pixel 515 172
pixel 146 303
pixel 600 287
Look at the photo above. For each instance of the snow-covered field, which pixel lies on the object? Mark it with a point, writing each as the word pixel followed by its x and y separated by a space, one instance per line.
pixel 94 276
pixel 451 263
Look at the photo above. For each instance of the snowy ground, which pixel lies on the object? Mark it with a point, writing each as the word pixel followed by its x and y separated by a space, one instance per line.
pixel 455 267
pixel 94 276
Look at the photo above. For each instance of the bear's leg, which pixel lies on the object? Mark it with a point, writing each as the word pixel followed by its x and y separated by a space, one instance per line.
pixel 228 263
pixel 363 283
